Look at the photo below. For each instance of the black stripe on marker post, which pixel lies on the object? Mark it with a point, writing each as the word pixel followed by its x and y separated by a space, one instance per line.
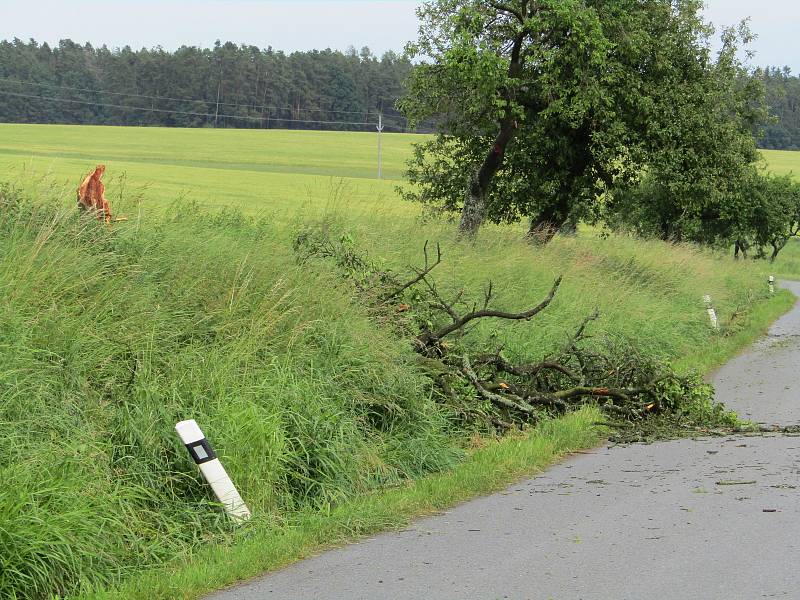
pixel 201 451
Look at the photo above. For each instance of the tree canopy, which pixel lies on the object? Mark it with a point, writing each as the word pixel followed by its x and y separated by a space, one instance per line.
pixel 548 106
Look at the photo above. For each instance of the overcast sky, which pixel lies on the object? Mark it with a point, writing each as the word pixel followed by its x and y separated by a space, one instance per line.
pixel 305 24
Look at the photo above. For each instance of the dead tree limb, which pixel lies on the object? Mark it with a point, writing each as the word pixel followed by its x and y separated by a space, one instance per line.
pixel 506 401
pixel 531 370
pixel 597 392
pixel 432 337
pixel 578 336
pixel 440 303
pixel 421 273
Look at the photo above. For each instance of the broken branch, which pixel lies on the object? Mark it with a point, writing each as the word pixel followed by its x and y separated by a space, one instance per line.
pixel 421 274
pixel 430 338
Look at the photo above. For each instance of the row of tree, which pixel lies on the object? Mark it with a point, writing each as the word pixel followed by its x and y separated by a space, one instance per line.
pixel 613 112
pixel 224 86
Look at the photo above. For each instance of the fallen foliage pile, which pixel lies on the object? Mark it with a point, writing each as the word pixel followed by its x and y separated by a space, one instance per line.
pixel 477 379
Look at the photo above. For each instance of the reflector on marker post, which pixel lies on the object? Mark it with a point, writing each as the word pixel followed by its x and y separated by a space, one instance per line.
pixel 214 473
pixel 771 284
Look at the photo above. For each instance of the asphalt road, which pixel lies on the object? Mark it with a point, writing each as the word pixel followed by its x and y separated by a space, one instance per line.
pixel 762 383
pixel 708 519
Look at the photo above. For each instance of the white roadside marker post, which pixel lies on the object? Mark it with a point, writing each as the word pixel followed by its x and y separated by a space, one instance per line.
pixel 214 473
pixel 771 284
pixel 712 314
pixel 379 127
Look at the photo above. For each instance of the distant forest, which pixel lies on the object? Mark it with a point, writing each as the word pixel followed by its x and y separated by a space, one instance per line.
pixel 783 99
pixel 246 86
pixel 224 86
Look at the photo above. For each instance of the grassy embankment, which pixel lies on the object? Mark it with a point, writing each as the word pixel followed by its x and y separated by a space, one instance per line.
pixel 108 338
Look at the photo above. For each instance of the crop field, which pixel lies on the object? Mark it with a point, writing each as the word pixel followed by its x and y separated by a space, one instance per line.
pixel 289 177
pixel 783 162
pixel 272 172
pixel 319 410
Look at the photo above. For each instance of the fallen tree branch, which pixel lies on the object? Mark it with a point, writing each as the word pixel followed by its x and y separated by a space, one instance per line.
pixel 481 384
pixel 430 338
pixel 501 364
pixel 421 273
pixel 516 403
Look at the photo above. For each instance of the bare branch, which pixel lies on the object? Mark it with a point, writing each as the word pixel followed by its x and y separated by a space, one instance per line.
pixel 507 400
pixel 509 10
pixel 623 394
pixel 578 336
pixel 440 302
pixel 501 364
pixel 421 274
pixel 487 296
pixel 597 392
pixel 431 337
pixel 532 370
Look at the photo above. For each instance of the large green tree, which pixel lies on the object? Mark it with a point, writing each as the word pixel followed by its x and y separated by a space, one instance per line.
pixel 699 164
pixel 544 105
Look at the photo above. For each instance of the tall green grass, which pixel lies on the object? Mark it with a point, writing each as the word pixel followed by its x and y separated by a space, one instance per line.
pixel 486 469
pixel 648 291
pixel 109 337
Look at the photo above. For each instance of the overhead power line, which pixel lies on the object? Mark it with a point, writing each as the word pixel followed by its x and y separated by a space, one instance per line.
pixel 184 112
pixel 193 100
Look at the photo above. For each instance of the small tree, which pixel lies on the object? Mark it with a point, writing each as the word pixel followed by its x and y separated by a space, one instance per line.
pixel 775 214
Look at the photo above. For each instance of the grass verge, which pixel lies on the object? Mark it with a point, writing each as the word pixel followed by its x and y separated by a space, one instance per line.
pixel 109 337
pixel 487 469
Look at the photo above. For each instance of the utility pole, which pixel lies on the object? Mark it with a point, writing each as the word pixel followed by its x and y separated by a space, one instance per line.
pixel 380 153
pixel 219 89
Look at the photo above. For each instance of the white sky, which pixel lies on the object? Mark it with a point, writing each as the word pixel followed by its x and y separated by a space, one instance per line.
pixel 305 24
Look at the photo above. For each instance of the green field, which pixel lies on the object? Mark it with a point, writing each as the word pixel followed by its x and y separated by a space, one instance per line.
pixel 783 162
pixel 319 412
pixel 270 171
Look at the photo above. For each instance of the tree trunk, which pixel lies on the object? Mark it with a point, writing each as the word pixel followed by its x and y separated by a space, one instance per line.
pixel 474 212
pixel 541 232
pixel 777 246
pixel 740 246
pixel 549 222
